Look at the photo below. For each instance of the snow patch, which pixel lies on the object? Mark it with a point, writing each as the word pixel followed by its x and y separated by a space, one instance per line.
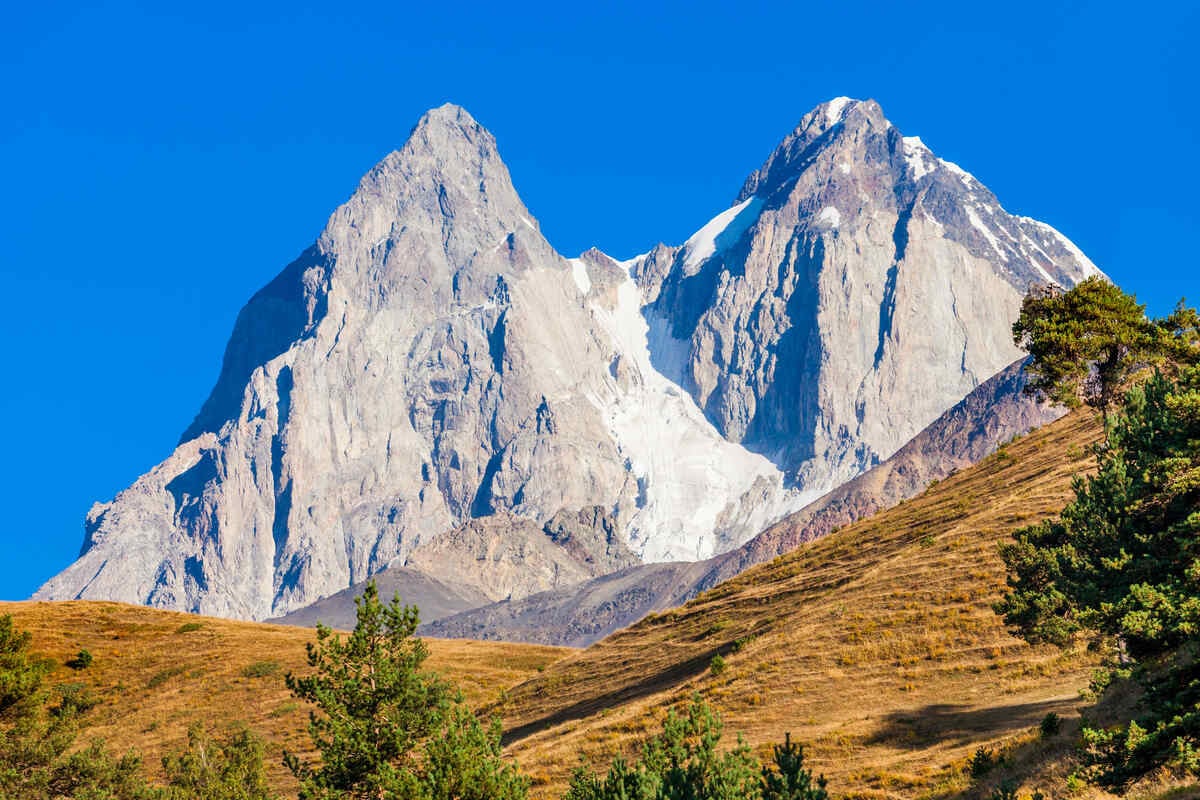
pixel 845 168
pixel 630 264
pixel 987 234
pixel 721 232
pixel 1028 240
pixel 835 110
pixel 829 216
pixel 580 273
pixel 941 229
pixel 692 481
pixel 1086 266
pixel 1090 270
pixel 528 222
pixel 966 177
pixel 916 155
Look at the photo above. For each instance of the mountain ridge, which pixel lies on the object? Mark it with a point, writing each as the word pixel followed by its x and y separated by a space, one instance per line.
pixel 432 361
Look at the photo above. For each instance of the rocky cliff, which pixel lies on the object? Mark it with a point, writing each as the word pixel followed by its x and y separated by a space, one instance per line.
pixel 996 412
pixel 431 385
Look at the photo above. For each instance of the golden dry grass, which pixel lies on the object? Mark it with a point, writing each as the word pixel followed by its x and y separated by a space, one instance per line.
pixel 157 672
pixel 876 645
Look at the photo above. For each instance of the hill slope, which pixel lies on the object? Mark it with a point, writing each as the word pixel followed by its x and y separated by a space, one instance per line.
pixel 876 644
pixel 156 672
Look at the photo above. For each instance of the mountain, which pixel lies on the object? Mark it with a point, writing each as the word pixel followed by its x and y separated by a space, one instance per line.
pixel 431 385
pixel 577 616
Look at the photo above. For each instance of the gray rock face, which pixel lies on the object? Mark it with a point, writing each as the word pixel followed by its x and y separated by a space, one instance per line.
pixel 579 615
pixel 431 385
pixel 857 289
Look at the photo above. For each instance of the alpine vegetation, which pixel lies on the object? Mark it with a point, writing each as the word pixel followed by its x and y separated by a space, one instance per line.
pixel 1121 563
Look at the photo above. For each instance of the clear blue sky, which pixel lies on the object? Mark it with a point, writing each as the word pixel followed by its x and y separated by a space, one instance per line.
pixel 160 166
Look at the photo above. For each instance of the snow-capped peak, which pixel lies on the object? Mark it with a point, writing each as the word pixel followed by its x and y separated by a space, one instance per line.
pixel 835 109
pixel 720 232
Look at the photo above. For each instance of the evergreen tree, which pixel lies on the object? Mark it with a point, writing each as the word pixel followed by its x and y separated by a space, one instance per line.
pixel 216 770
pixel 1122 562
pixel 386 727
pixel 1085 343
pixel 1180 335
pixel 37 756
pixel 790 780
pixel 684 763
pixel 463 762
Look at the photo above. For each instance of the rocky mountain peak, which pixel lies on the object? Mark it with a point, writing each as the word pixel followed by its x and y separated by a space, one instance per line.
pixel 431 361
pixel 447 181
pixel 815 133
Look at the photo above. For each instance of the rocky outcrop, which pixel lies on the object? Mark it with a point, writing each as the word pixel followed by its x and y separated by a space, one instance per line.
pixel 496 558
pixel 432 386
pixel 579 615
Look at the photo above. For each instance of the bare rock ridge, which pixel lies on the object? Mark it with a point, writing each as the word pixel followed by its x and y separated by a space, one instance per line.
pixel 431 386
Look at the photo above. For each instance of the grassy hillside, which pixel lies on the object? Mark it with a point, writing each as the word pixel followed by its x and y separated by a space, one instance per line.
pixel 877 645
pixel 157 672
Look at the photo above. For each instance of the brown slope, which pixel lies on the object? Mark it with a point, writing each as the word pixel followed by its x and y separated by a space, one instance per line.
pixel 156 673
pixel 581 614
pixel 876 644
pixel 435 599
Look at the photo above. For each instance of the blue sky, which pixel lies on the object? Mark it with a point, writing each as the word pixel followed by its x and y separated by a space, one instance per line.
pixel 160 165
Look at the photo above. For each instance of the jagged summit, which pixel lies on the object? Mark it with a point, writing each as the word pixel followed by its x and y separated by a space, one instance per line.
pixel 450 115
pixel 431 385
pixel 449 130
pixel 816 128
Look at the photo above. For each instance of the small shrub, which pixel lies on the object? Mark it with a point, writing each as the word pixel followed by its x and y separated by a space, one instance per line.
pixel 1007 790
pixel 717 665
pixel 982 762
pixel 260 669
pixel 159 678
pixel 716 627
pixel 1050 726
pixel 188 627
pixel 82 660
pixel 741 642
pixel 74 699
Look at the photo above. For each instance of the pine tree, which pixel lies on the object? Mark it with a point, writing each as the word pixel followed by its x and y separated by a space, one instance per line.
pixel 386 727
pixel 38 760
pixel 464 763
pixel 1085 343
pixel 1122 562
pixel 216 770
pixel 790 780
pixel 684 762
